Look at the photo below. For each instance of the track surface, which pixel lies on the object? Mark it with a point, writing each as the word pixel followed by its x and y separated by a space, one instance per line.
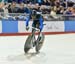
pixel 57 49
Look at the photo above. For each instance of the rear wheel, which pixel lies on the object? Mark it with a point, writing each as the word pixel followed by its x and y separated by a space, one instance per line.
pixel 39 43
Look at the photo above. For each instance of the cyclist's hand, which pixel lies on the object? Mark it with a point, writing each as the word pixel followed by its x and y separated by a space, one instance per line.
pixel 27 28
pixel 39 30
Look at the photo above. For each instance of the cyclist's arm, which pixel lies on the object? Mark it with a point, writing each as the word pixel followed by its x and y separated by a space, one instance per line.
pixel 27 20
pixel 41 23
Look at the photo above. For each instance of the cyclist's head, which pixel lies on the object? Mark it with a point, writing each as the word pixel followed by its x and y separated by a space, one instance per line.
pixel 33 13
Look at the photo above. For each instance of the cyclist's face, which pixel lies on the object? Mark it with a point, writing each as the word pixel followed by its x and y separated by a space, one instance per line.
pixel 33 16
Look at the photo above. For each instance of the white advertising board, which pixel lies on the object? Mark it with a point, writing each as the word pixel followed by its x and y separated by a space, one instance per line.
pixel 54 26
pixel 51 26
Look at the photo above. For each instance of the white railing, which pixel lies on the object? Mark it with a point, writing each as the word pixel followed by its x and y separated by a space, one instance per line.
pixel 47 17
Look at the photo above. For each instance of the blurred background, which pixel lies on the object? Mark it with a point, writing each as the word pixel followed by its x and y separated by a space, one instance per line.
pixel 51 9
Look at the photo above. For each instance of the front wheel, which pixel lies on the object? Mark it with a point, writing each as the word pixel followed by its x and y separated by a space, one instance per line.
pixel 27 45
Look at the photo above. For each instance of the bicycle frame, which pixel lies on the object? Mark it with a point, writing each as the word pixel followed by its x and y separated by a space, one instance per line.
pixel 33 36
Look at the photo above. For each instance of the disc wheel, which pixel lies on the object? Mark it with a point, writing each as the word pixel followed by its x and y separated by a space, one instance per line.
pixel 27 45
pixel 39 43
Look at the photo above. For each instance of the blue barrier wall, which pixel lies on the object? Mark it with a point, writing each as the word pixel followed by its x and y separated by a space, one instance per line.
pixel 14 26
pixel 9 26
pixel 69 26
